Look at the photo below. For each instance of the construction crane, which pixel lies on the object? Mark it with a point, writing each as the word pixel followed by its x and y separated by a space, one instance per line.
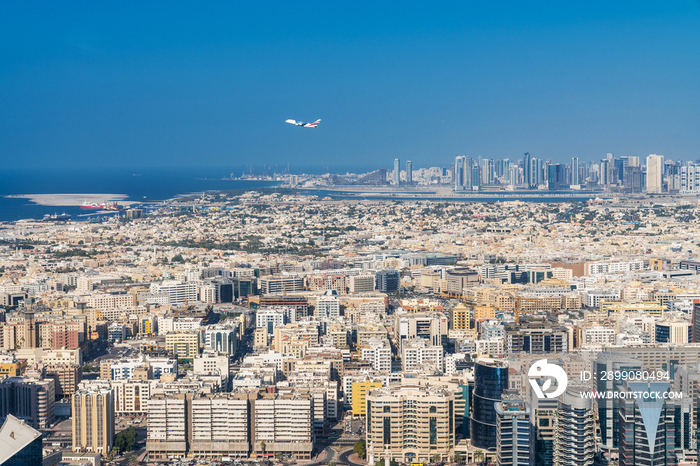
pixel 518 304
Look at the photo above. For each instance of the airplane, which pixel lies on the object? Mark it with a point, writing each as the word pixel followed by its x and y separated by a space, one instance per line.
pixel 305 125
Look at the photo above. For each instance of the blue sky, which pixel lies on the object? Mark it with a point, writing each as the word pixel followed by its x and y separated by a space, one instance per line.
pixel 185 84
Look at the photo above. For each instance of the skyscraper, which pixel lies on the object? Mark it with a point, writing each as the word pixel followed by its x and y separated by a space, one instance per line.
pixel 468 174
pixel 655 172
pixel 647 430
pixel 409 172
pixel 527 167
pixel 397 172
pixel 513 431
pixel 542 420
pixel 93 420
pixel 574 440
pixel 459 173
pixel 490 381
pixel 574 171
pixel 607 408
pixel 553 178
pixel 475 177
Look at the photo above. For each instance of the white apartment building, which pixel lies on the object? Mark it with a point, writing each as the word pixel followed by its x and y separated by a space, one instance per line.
pixel 87 283
pixel 594 297
pixel 219 425
pixel 598 335
pixel 169 324
pixel 167 426
pixel 269 319
pixel 418 351
pixel 207 294
pixel 124 369
pixel 212 363
pixel 378 352
pixel 592 269
pixel 328 305
pixel 451 362
pixel 492 346
pixel 178 292
pixel 285 424
pixel 221 338
pixel 110 301
pixel 690 178
pixel 491 330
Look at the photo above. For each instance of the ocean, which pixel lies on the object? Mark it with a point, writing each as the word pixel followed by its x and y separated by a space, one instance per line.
pixel 150 185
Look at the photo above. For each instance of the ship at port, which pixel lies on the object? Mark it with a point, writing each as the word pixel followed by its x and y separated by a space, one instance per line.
pixel 64 217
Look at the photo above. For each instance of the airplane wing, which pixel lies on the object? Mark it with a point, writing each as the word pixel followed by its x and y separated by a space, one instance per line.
pixel 294 122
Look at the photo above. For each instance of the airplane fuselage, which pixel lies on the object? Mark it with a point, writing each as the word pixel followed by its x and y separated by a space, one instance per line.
pixel 301 123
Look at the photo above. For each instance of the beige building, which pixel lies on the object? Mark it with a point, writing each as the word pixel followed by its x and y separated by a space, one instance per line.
pixel 131 395
pixel 229 424
pixel 368 331
pixel 93 420
pixel 414 422
pixel 66 377
pixel 167 426
pixel 260 337
pixel 184 345
pixel 461 317
pixel 219 426
pixel 283 424
pixel 655 173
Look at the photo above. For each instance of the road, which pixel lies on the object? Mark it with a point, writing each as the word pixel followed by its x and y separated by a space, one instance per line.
pixel 328 454
pixel 344 458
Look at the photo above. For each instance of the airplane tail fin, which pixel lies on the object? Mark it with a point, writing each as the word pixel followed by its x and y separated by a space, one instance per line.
pixel 315 123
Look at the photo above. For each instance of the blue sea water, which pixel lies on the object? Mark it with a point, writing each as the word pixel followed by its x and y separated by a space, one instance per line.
pixel 151 185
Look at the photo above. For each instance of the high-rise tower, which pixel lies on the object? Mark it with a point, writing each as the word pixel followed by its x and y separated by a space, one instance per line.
pixel 655 172
pixel 514 433
pixel 574 440
pixel 490 381
pixel 397 172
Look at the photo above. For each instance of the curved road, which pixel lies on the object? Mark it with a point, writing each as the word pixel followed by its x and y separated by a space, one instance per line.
pixel 328 454
pixel 344 458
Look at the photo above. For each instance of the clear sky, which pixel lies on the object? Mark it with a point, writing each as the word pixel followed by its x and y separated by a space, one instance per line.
pixel 146 84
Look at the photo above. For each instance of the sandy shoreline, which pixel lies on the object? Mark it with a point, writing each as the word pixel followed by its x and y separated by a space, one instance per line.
pixel 67 200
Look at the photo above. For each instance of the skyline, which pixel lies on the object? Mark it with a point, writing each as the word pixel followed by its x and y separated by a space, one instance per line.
pixel 91 87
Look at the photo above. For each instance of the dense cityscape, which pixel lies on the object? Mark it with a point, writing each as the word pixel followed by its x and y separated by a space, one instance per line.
pixel 456 233
pixel 286 327
pixel 654 174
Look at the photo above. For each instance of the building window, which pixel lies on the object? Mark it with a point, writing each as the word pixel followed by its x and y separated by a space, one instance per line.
pixel 433 431
pixel 387 431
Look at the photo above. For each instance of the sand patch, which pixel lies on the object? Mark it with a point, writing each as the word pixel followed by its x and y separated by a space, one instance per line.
pixel 67 200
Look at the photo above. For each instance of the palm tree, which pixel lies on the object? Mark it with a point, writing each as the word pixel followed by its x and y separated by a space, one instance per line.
pixel 262 447
pixel 478 455
pixel 457 458
pixel 436 458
